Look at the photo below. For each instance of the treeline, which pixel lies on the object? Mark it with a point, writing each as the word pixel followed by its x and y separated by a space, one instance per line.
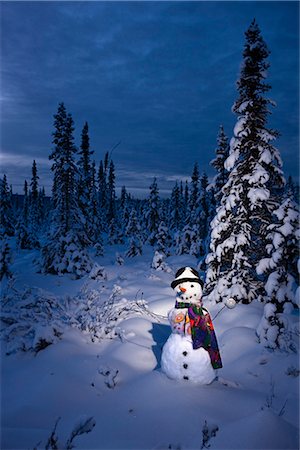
pixel 84 199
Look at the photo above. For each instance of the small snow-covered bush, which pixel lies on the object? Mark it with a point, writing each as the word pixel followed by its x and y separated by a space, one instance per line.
pixel 119 259
pixel 135 248
pixel 278 330
pixel 100 320
pixel 32 320
pixel 35 319
pixel 158 262
pixel 98 273
pixel 99 248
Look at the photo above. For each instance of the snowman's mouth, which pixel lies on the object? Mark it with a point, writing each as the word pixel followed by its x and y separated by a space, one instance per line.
pixel 187 297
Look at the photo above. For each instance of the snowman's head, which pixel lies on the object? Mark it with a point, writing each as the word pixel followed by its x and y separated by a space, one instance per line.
pixel 188 285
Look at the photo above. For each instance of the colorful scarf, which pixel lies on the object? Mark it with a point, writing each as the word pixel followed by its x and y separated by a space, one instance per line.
pixel 202 332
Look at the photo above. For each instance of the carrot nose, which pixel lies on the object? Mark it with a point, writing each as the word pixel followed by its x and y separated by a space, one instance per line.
pixel 182 289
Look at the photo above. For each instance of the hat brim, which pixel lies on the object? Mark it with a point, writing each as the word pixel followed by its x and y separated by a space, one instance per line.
pixel 183 280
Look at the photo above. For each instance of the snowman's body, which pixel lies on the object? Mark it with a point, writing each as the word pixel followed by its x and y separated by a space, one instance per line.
pixel 180 361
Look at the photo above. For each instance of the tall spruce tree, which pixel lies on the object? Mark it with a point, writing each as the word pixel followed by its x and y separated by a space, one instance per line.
pixel 194 194
pixel 222 153
pixel 186 199
pixel 103 194
pixel 204 211
pixel 65 250
pixel 152 214
pixel 95 224
pixel 34 210
pixel 6 211
pixel 175 209
pixel 22 234
pixel 85 179
pixel 111 212
pixel 253 188
pixel 133 232
pixel 25 210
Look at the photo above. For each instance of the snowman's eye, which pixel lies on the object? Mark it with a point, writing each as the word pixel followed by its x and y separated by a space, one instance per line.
pixel 192 285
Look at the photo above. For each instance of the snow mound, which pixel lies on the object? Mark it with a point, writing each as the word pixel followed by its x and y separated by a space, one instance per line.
pixel 263 430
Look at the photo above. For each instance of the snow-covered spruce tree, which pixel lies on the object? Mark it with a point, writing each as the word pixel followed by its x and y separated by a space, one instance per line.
pixel 35 209
pixel 133 232
pixel 176 212
pixel 187 241
pixel 124 210
pixel 163 239
pixel 135 248
pixel 193 204
pixel 292 190
pixel 64 251
pixel 111 207
pixel 204 214
pixel 275 330
pixel 94 219
pixel 96 222
pixel 115 232
pixel 6 211
pixel 22 233
pixel 152 213
pixel 222 153
pixel 186 197
pixel 5 256
pixel 253 188
pixel 84 188
pixel 102 195
pixel 25 210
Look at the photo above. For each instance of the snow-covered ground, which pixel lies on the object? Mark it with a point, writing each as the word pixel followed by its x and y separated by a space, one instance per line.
pixel 253 405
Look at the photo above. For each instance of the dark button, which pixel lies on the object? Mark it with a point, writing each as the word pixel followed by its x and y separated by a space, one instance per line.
pixel 184 353
pixel 185 365
pixel 185 377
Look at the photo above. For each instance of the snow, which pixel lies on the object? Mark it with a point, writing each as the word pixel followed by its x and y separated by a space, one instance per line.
pixel 244 105
pixel 239 129
pixel 257 195
pixel 264 430
pixel 265 155
pixel 233 157
pixel 258 175
pixel 113 389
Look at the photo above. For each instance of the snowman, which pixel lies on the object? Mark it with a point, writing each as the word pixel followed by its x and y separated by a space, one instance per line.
pixel 191 352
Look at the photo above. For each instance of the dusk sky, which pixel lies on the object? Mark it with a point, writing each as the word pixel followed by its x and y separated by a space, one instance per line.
pixel 160 77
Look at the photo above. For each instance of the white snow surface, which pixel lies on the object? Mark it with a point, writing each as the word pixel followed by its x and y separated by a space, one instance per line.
pixel 118 383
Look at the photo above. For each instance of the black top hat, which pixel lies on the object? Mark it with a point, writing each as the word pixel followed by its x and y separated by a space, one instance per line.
pixel 186 274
